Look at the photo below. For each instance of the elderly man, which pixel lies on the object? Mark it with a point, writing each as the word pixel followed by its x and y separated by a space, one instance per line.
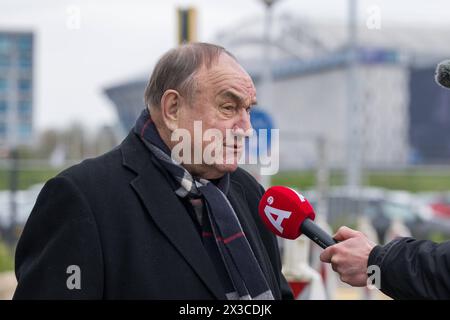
pixel 138 223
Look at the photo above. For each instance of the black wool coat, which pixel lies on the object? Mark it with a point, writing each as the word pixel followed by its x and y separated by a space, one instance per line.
pixel 112 228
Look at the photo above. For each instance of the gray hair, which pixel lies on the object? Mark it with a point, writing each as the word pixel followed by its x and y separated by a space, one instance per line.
pixel 177 68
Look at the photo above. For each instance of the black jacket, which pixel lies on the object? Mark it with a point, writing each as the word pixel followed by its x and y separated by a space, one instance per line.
pixel 413 269
pixel 116 218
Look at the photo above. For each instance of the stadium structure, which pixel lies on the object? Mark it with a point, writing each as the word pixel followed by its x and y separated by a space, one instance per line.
pixel 405 116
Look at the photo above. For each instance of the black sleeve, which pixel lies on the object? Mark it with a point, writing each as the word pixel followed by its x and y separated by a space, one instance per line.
pixel 413 269
pixel 59 254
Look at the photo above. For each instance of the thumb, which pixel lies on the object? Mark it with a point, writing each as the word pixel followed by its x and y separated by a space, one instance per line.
pixel 345 233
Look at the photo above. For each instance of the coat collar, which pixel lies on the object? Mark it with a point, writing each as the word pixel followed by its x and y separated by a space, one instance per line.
pixel 168 212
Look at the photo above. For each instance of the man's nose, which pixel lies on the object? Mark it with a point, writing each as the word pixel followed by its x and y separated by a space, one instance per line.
pixel 243 123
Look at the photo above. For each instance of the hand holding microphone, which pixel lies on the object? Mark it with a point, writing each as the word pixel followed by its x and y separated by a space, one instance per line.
pixel 350 256
pixel 288 214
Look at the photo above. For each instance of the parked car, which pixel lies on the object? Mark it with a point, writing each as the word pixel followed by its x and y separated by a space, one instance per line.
pixel 382 207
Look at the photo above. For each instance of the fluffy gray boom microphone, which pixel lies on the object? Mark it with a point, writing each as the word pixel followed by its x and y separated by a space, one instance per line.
pixel 442 75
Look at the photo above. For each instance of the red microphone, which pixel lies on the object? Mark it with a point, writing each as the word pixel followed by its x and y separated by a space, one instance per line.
pixel 288 214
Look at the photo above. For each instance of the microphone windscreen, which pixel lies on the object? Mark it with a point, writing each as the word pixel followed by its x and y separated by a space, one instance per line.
pixel 283 211
pixel 442 75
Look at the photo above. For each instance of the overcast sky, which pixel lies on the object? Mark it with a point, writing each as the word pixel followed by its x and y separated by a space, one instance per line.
pixel 118 40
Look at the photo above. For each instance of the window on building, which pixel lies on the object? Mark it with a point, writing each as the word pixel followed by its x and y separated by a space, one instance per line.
pixel 3 85
pixel 24 130
pixel 2 130
pixel 5 44
pixel 24 62
pixel 24 110
pixel 5 60
pixel 3 107
pixel 24 85
pixel 25 43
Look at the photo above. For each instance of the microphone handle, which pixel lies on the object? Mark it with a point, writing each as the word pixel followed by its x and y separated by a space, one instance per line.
pixel 316 234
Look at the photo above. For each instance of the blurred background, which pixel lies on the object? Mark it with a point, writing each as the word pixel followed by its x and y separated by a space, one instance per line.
pixel 364 128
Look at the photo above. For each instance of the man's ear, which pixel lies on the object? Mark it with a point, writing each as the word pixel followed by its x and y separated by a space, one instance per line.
pixel 170 106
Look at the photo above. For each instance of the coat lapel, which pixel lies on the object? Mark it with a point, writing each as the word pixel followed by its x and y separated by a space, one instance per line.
pixel 168 212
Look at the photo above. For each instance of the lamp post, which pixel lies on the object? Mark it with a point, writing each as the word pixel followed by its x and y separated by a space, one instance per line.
pixel 265 97
pixel 266 72
pixel 354 134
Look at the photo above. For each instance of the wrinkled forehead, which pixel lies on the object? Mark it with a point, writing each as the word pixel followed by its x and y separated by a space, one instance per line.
pixel 227 75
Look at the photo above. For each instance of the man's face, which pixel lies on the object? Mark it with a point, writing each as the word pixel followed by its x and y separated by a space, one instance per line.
pixel 223 98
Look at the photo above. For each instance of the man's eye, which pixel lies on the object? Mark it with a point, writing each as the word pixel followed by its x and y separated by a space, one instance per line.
pixel 228 108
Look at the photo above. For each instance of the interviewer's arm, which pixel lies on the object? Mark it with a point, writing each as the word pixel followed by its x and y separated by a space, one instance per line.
pixel 409 268
pixel 413 269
